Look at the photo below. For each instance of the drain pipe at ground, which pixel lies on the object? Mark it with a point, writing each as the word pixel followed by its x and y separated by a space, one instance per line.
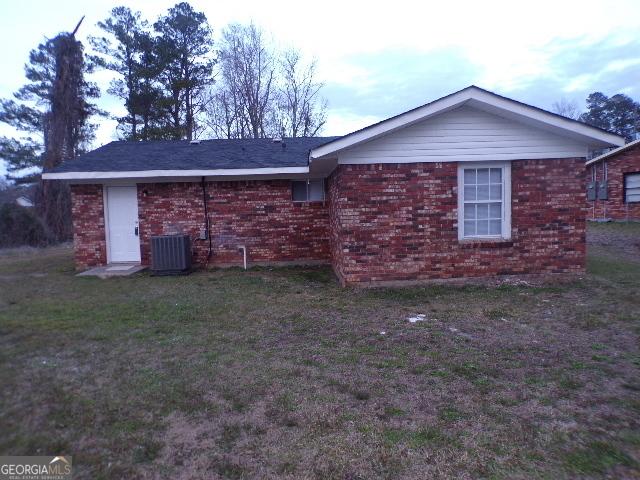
pixel 244 255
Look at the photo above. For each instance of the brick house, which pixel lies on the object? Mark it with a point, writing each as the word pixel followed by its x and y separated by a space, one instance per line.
pixel 472 184
pixel 613 191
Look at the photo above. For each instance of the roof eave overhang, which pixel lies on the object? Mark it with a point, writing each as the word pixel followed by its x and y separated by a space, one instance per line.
pixel 142 174
pixel 476 97
pixel 614 152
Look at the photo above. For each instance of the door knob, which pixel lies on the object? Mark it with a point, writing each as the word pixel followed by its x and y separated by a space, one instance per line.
pixel 136 231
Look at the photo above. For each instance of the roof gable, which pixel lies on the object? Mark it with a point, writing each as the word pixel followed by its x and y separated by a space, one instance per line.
pixel 480 99
pixel 463 134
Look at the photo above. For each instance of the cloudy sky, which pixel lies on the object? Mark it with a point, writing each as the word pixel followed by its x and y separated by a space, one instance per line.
pixel 382 58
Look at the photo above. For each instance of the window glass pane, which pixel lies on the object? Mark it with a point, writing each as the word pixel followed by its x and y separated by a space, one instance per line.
pixel 483 210
pixel 482 202
pixel 495 227
pixel 632 180
pixel 483 192
pixel 316 190
pixel 469 176
pixel 299 191
pixel 469 228
pixel 495 210
pixel 495 192
pixel 469 211
pixel 469 192
pixel 483 176
pixel 632 187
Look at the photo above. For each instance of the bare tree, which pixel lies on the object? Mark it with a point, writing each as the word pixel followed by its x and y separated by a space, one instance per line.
pixel 263 92
pixel 300 109
pixel 220 115
pixel 247 80
pixel 566 108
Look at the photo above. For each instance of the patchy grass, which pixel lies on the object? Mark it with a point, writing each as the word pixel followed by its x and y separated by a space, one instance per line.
pixel 280 373
pixel 597 458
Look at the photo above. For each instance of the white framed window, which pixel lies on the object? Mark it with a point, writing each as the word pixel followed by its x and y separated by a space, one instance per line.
pixel 307 190
pixel 632 187
pixel 484 200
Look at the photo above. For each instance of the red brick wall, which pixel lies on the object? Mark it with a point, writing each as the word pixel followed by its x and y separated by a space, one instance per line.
pixel 258 214
pixel 387 222
pixel 393 222
pixel 614 208
pixel 88 225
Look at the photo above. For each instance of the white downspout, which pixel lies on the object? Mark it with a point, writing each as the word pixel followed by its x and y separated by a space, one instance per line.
pixel 594 176
pixel 606 181
pixel 244 255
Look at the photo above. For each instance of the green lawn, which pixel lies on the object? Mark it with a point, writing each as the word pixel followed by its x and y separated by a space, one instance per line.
pixel 280 373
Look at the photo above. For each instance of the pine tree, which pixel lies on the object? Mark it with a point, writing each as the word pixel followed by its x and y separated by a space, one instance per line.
pixel 120 51
pixel 149 100
pixel 185 48
pixel 619 114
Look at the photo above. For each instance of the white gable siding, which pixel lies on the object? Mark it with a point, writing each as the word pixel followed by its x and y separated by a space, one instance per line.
pixel 463 134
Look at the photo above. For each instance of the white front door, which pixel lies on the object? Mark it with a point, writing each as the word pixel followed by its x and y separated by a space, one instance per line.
pixel 122 224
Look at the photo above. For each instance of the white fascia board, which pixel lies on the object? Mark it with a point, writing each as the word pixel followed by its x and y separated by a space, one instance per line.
pixel 547 118
pixel 613 152
pixel 457 99
pixel 243 172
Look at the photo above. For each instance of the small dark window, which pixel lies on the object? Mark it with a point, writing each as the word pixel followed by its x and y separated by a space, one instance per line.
pixel 307 191
pixel 299 191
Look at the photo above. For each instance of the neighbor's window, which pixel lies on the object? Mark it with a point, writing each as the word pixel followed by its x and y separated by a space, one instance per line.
pixel 484 199
pixel 307 191
pixel 632 187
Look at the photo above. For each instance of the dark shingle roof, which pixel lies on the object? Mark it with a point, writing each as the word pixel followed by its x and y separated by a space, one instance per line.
pixel 207 155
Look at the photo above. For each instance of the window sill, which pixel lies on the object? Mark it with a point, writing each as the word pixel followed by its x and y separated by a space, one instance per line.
pixel 485 242
pixel 307 202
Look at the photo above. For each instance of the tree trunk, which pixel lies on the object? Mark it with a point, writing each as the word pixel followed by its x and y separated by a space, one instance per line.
pixel 189 114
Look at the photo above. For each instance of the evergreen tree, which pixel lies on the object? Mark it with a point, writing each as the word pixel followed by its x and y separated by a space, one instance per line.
pixel 120 52
pixel 619 114
pixel 149 100
pixel 185 48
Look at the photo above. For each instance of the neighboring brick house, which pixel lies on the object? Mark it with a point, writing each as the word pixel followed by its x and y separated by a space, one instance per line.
pixel 613 191
pixel 472 184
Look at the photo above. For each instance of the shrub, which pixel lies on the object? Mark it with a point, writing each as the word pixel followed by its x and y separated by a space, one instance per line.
pixel 20 226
